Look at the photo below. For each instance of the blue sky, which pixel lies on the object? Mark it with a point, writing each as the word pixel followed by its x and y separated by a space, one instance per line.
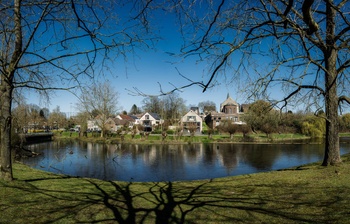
pixel 144 74
pixel 145 69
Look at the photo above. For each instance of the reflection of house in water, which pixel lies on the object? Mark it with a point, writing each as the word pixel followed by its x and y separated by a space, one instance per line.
pixel 228 155
pixel 150 156
pixel 193 153
pixel 229 110
pixel 166 161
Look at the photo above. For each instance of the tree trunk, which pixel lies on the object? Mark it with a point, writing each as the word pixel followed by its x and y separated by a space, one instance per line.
pixel 5 136
pixel 6 88
pixel 332 151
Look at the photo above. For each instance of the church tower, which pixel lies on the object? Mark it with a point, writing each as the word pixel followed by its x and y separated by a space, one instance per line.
pixel 229 106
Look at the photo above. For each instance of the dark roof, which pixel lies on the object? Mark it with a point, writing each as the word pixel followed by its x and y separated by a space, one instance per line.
pixel 134 117
pixel 155 116
pixel 120 122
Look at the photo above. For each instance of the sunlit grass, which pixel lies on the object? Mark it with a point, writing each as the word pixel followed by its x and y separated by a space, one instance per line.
pixel 345 134
pixel 173 139
pixel 307 194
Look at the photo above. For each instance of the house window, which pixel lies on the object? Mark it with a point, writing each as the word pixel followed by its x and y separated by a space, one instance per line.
pixel 147 117
pixel 191 118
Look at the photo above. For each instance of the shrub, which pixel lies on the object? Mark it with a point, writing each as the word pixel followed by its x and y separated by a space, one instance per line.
pixel 170 132
pixel 314 127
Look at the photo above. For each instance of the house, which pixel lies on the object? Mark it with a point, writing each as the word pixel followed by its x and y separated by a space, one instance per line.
pixel 195 109
pixel 148 120
pixel 191 119
pixel 229 110
pixel 130 120
pixel 114 124
pixel 93 125
pixel 136 118
pixel 110 125
pixel 229 106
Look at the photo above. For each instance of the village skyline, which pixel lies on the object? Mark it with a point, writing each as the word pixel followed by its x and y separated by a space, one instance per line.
pixel 68 102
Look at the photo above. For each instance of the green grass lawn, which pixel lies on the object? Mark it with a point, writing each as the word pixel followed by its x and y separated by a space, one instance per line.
pixel 172 139
pixel 307 194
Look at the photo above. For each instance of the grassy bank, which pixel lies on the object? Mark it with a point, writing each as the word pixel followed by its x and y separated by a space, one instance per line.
pixel 171 139
pixel 307 194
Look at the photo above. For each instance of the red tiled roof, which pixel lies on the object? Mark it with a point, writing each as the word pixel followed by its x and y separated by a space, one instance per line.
pixel 126 117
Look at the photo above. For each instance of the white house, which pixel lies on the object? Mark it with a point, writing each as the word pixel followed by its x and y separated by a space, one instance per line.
pixel 192 118
pixel 93 125
pixel 148 120
pixel 136 119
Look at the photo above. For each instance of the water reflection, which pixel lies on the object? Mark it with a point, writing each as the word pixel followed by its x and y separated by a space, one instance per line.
pixel 130 162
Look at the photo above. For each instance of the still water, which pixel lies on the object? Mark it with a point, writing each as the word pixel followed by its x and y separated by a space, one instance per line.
pixel 131 162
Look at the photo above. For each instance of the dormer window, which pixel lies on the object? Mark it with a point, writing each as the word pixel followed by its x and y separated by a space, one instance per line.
pixel 191 118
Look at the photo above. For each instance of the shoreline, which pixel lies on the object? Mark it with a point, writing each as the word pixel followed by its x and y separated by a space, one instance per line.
pixel 157 139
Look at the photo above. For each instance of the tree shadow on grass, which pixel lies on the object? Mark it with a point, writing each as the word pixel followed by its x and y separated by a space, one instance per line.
pixel 79 200
pixel 162 205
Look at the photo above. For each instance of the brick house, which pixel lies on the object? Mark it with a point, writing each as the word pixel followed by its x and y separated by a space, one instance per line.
pixel 229 110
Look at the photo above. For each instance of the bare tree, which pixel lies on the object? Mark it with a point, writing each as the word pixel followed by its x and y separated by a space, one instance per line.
pixel 192 127
pixel 173 107
pixel 102 98
pixel 245 129
pixel 298 46
pixel 57 119
pixel 169 106
pixel 229 127
pixel 36 118
pixel 20 118
pixel 152 104
pixel 178 132
pixel 210 132
pixel 81 119
pixel 207 106
pixel 51 45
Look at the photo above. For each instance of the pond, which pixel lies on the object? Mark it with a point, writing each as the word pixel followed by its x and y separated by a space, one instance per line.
pixel 148 163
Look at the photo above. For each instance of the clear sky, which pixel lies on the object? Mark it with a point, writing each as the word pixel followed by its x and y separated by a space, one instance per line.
pixel 144 74
pixel 148 68
pixel 145 70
